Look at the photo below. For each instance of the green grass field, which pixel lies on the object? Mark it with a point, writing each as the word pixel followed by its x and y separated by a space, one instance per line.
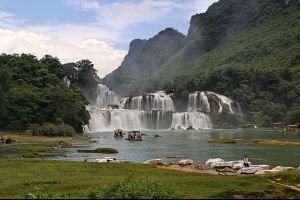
pixel 19 177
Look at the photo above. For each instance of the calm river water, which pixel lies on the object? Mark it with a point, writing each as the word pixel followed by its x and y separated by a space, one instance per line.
pixel 175 145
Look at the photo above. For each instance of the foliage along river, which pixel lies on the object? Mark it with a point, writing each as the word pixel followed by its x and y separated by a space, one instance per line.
pixel 175 145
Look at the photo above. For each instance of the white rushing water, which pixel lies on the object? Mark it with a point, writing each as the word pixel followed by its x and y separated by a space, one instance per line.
pixel 203 102
pixel 194 120
pixel 155 111
pixel 153 101
pixel 106 97
pixel 112 119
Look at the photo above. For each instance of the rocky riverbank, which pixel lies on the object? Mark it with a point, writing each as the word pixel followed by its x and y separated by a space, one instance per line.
pixel 220 167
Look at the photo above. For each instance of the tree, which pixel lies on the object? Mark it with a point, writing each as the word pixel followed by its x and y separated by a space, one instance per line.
pixel 4 83
pixel 33 93
pixel 53 65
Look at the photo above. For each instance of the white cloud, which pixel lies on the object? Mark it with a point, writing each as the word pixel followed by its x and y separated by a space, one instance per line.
pixel 120 15
pixel 104 56
pixel 94 41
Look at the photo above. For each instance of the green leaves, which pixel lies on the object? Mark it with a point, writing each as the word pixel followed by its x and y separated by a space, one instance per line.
pixel 33 92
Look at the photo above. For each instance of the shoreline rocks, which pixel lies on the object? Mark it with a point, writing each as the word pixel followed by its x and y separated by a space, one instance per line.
pixel 186 162
pixel 154 162
pixel 218 166
pixel 212 161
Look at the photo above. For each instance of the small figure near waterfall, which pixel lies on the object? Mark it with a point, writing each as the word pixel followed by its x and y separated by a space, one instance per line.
pixel 246 161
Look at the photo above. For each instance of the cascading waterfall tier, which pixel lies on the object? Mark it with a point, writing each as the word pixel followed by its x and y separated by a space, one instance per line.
pixel 111 119
pixel 149 102
pixel 106 97
pixel 212 102
pixel 194 120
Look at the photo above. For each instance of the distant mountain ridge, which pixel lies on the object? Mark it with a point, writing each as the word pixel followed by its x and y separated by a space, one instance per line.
pixel 144 57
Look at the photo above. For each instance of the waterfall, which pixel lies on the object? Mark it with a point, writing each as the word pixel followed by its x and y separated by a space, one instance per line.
pixel 153 101
pixel 155 111
pixel 106 97
pixel 212 102
pixel 195 120
pixel 67 81
pixel 198 101
pixel 103 119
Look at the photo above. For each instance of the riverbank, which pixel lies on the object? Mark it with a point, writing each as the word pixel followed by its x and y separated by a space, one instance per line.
pixel 77 179
pixel 25 145
pixel 29 138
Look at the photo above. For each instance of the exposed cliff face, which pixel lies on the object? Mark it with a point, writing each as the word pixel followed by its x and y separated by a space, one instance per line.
pixel 222 19
pixel 144 57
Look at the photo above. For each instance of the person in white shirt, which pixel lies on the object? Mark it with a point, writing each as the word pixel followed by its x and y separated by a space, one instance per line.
pixel 246 161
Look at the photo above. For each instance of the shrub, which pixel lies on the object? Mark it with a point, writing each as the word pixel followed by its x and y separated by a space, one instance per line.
pixel 100 150
pixel 48 129
pixel 134 189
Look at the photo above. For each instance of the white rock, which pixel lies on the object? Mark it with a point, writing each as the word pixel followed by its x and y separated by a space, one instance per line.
pixel 221 164
pixel 106 160
pixel 263 167
pixel 281 169
pixel 186 162
pixel 249 170
pixel 238 166
pixel 211 161
pixel 278 168
pixel 154 162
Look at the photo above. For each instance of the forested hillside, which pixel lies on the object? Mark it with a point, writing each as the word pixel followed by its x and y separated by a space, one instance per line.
pixel 247 50
pixel 34 94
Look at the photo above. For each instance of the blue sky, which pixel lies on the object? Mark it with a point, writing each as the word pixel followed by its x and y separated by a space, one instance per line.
pixel 99 30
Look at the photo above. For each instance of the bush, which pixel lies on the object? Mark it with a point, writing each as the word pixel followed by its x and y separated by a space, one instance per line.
pixel 100 150
pixel 48 129
pixel 133 189
pixel 226 120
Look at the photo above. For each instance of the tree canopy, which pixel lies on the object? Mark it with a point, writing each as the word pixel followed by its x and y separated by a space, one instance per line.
pixel 33 92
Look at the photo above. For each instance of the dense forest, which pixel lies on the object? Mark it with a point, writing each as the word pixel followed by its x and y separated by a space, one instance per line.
pixel 35 94
pixel 266 95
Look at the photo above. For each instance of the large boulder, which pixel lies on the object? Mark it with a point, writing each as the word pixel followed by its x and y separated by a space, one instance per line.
pixel 213 161
pixel 186 162
pixel 222 164
pixel 249 170
pixel 154 162
pixel 238 165
pixel 281 169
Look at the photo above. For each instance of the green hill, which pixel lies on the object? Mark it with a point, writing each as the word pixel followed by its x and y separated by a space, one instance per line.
pixel 236 33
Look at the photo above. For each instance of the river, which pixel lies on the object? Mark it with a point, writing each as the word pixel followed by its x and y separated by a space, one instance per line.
pixel 175 145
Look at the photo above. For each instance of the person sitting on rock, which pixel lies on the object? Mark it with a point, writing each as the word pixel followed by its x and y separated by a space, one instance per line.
pixel 246 161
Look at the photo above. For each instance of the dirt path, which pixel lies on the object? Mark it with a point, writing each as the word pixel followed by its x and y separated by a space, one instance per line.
pixel 288 186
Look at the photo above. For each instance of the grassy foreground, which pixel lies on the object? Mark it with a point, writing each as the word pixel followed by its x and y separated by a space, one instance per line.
pixel 19 177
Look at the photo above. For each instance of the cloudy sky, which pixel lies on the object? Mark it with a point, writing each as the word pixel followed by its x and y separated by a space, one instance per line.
pixel 99 30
